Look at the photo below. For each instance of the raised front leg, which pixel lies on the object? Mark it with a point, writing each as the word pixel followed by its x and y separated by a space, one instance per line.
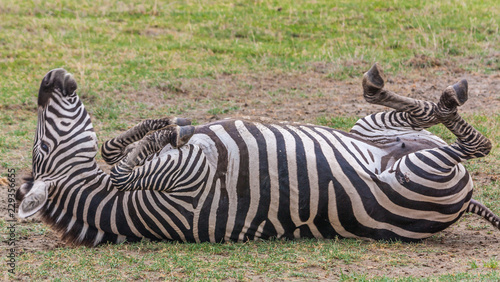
pixel 174 135
pixel 117 148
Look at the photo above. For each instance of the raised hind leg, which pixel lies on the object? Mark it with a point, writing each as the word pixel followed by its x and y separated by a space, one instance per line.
pixel 152 143
pixel 429 184
pixel 417 114
pixel 117 148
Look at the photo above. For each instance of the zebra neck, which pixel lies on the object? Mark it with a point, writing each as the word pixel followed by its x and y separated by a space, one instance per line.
pixel 82 208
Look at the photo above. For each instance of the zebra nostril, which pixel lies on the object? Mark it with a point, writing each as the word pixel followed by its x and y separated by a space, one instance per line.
pixel 70 85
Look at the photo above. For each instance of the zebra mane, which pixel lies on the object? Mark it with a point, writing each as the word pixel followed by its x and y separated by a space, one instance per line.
pixel 73 236
pixel 74 231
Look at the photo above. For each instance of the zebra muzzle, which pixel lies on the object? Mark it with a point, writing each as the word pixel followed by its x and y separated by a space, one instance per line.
pixel 34 200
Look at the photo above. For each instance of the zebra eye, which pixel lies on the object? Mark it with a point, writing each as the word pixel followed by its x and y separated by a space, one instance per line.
pixel 44 147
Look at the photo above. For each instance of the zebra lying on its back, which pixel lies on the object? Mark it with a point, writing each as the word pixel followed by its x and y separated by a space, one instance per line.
pixel 240 180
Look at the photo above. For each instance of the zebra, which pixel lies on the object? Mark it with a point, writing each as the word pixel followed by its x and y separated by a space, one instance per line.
pixel 238 180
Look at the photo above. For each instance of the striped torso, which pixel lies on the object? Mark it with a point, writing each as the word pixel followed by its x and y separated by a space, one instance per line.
pixel 238 180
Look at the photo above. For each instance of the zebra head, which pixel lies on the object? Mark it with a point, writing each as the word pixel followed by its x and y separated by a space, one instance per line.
pixel 65 141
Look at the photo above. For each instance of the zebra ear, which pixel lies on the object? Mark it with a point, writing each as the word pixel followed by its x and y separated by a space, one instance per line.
pixel 34 200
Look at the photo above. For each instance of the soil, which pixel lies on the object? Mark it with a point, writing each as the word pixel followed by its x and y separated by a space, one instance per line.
pixel 305 97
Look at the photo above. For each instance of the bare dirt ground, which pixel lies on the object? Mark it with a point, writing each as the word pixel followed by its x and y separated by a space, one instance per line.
pixel 303 98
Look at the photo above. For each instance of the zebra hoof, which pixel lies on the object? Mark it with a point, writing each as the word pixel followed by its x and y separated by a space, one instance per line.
pixel 373 84
pixel 455 95
pixel 182 121
pixel 185 133
pixel 461 90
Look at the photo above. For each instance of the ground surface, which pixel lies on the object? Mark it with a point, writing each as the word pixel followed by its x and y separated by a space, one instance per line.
pixel 304 97
pixel 471 246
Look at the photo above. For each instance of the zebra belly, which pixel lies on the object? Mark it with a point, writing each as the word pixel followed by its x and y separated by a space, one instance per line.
pixel 290 181
pixel 295 181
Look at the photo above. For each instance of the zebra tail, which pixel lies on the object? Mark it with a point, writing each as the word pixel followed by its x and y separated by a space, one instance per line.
pixel 480 209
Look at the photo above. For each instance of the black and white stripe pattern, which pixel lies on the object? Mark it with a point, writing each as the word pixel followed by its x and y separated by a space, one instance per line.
pixel 237 180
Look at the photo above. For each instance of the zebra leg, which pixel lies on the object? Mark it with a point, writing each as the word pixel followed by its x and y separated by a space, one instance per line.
pixel 422 114
pixel 174 135
pixel 400 126
pixel 417 114
pixel 117 148
pixel 470 143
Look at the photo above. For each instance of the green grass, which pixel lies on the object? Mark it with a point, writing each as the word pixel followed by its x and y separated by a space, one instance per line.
pixel 217 110
pixel 128 54
pixel 341 123
pixel 192 261
pixel 281 259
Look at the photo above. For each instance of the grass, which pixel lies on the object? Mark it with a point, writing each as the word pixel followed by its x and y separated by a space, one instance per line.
pixel 192 261
pixel 135 59
pixel 300 259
